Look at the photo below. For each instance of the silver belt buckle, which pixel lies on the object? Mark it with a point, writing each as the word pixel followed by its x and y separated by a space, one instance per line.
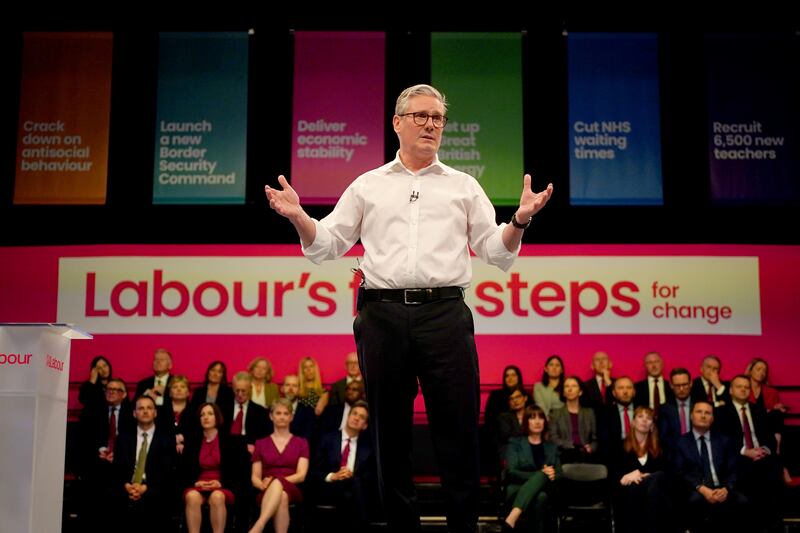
pixel 405 296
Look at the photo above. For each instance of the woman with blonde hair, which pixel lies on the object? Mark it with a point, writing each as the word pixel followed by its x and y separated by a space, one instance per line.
pixel 264 390
pixel 280 463
pixel 312 393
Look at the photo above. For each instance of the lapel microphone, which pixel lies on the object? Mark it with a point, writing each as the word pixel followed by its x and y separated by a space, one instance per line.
pixel 414 197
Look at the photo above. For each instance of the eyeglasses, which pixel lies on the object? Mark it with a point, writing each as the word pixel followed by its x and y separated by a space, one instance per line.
pixel 111 389
pixel 421 118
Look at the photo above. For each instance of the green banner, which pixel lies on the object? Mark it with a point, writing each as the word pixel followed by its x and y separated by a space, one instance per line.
pixel 201 122
pixel 481 75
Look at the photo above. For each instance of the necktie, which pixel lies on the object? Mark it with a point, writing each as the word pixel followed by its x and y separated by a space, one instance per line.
pixel 345 453
pixel 710 394
pixel 748 436
pixel 656 397
pixel 138 474
pixel 682 413
pixel 627 421
pixel 236 428
pixel 112 430
pixel 704 458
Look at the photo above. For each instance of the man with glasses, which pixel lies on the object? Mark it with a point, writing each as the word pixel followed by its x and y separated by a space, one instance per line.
pixel 417 219
pixel 99 427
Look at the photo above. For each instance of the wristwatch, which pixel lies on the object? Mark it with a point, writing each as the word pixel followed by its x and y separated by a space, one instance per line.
pixel 517 224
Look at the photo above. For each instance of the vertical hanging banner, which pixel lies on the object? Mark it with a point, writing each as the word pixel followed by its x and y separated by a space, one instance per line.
pixel 614 121
pixel 481 75
pixel 65 104
pixel 338 115
pixel 752 114
pixel 201 121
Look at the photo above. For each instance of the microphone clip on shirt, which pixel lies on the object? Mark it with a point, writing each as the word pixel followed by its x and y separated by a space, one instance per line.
pixel 414 197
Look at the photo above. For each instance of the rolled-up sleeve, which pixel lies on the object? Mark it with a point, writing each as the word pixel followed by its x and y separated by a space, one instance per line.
pixel 340 230
pixel 485 235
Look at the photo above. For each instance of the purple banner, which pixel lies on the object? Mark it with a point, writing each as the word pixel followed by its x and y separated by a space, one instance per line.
pixel 338 116
pixel 752 106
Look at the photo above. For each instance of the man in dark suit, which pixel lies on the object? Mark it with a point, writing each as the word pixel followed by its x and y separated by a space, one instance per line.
pixel 157 385
pixel 615 421
pixel 597 389
pixel 99 427
pixel 338 392
pixel 246 421
pixel 344 470
pixel 708 386
pixel 675 417
pixel 706 466
pixel 334 418
pixel 304 420
pixel 653 391
pixel 759 471
pixel 144 462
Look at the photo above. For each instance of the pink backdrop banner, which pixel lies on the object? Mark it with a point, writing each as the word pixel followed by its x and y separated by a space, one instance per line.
pixel 241 301
pixel 338 117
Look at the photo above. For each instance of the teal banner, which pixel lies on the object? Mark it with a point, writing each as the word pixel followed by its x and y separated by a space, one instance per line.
pixel 481 75
pixel 201 120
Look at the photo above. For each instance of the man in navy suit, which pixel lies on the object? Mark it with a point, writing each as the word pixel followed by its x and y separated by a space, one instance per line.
pixel 612 426
pixel 746 425
pixel 706 466
pixel 675 417
pixel 144 462
pixel 334 417
pixel 344 469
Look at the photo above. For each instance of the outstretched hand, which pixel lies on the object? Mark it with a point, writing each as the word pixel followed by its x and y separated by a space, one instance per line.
pixel 285 202
pixel 531 202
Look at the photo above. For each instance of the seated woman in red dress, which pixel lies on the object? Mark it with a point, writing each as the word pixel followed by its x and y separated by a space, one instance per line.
pixel 280 462
pixel 210 466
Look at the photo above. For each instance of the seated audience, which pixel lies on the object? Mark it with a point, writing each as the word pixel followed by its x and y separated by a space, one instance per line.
pixel 171 414
pixel 706 465
pixel 344 472
pixel 653 391
pixel 512 422
pixel 265 391
pixel 312 394
pixel 157 385
pixel 335 416
pixel 708 386
pixel 573 428
pixel 547 394
pixel 215 389
pixel 676 415
pixel 92 391
pixel 597 389
pixel 210 464
pixel 533 467
pixel 640 471
pixel 614 422
pixel 280 463
pixel 353 374
pixel 497 401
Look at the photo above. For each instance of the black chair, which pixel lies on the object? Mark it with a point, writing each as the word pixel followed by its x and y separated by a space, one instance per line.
pixel 584 498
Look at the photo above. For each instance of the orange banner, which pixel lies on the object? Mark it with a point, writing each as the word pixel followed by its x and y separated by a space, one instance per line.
pixel 62 140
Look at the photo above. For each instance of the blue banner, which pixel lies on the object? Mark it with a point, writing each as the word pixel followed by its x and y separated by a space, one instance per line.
pixel 201 120
pixel 614 122
pixel 752 113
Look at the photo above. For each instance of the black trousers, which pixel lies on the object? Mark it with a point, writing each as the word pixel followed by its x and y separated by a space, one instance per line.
pixel 432 344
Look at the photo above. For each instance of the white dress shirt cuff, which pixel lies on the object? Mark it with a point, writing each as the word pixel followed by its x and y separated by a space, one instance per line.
pixel 497 251
pixel 319 250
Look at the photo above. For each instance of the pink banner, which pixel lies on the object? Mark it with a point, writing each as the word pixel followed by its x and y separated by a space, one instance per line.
pixel 339 116
pixel 238 302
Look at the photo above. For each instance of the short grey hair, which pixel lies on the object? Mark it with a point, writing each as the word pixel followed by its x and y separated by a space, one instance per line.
pixel 418 90
pixel 242 376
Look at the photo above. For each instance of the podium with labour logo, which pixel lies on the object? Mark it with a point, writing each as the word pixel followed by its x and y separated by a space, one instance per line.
pixel 34 382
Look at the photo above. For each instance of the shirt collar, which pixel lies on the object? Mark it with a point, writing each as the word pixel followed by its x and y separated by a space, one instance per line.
pixel 697 435
pixel 436 167
pixel 345 436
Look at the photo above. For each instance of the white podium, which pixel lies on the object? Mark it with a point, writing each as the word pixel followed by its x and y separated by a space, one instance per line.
pixel 34 383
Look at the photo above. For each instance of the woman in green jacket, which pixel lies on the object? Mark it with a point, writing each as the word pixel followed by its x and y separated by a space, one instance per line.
pixel 532 468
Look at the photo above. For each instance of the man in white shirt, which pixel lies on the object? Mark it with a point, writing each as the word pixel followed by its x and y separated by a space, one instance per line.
pixel 412 323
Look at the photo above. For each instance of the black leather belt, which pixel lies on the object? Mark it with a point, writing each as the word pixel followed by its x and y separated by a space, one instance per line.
pixel 413 296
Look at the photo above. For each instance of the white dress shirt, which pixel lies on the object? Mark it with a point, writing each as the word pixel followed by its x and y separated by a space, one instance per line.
pixel 756 444
pixel 651 384
pixel 419 243
pixel 163 382
pixel 351 458
pixel 345 414
pixel 243 407
pixel 707 436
